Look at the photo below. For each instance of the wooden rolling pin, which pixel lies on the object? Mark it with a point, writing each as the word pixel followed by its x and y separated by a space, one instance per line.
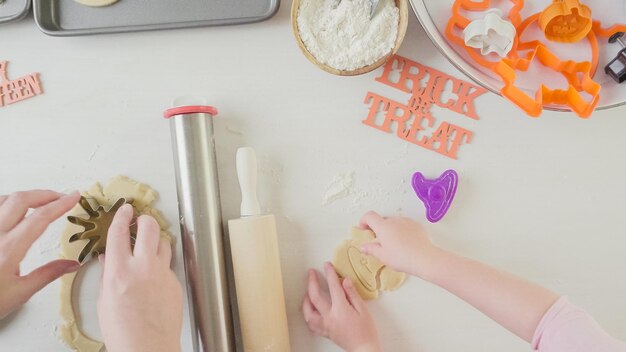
pixel 256 266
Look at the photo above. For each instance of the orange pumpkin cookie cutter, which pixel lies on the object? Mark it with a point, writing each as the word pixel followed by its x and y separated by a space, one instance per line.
pixel 566 21
pixel 578 74
pixel 458 21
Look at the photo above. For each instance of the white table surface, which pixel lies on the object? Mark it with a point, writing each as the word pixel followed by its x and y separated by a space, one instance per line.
pixel 542 198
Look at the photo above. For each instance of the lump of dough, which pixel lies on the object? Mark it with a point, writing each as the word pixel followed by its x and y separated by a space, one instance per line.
pixel 368 274
pixel 96 3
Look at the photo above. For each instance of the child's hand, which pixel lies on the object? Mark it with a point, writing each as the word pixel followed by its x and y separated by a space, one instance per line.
pixel 401 243
pixel 17 234
pixel 141 302
pixel 341 316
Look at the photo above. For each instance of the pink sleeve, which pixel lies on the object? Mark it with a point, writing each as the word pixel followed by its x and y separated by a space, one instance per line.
pixel 567 328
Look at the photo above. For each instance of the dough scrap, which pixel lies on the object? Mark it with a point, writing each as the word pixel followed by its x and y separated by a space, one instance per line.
pixel 368 274
pixel 118 187
pixel 97 3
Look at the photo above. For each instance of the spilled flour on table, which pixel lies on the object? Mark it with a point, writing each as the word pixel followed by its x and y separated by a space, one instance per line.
pixel 234 130
pixel 341 186
pixel 93 154
pixel 375 194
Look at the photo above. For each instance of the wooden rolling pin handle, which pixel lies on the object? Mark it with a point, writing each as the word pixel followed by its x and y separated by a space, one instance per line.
pixel 247 173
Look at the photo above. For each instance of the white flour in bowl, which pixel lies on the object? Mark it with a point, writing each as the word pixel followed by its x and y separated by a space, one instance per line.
pixel 341 35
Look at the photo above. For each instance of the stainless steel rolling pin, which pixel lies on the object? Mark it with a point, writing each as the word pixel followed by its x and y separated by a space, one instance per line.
pixel 191 123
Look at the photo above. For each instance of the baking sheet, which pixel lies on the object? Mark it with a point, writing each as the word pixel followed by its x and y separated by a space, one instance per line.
pixel 13 10
pixel 434 15
pixel 69 18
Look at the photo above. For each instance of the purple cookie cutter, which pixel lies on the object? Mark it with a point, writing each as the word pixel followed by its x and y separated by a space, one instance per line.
pixel 437 195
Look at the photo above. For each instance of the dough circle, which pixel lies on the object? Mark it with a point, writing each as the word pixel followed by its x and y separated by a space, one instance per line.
pixel 368 274
pixel 118 187
pixel 96 3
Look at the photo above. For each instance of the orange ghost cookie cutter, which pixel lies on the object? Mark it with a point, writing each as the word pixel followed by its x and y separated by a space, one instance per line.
pixel 578 74
pixel 460 22
pixel 566 21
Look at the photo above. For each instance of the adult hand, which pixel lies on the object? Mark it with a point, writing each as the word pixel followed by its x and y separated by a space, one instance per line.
pixel 401 244
pixel 341 316
pixel 140 307
pixel 18 232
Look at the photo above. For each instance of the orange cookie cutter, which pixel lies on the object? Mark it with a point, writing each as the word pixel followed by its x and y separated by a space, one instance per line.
pixel 532 45
pixel 579 75
pixel 576 73
pixel 461 22
pixel 566 21
pixel 607 32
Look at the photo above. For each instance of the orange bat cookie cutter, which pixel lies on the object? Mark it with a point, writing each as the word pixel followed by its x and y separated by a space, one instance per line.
pixel 461 22
pixel 576 73
pixel 607 32
pixel 531 45
pixel 566 21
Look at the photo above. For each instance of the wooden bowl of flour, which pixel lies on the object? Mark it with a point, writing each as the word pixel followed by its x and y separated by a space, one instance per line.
pixel 402 26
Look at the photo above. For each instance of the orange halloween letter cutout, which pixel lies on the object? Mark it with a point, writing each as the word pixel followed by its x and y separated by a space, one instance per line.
pixel 414 121
pixel 12 91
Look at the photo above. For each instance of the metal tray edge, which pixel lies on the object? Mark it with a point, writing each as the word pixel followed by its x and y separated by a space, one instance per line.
pixel 18 16
pixel 58 32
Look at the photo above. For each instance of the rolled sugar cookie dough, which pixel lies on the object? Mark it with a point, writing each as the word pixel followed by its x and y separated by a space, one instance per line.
pixel 118 187
pixel 368 274
pixel 96 3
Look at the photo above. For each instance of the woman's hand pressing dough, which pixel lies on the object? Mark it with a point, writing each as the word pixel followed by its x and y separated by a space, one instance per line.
pixel 141 301
pixel 340 316
pixel 18 232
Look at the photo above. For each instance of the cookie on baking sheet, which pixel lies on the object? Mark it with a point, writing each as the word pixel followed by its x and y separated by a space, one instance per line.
pixel 97 3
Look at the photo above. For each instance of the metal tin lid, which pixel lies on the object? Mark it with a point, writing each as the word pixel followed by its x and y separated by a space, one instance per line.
pixel 13 10
pixel 69 18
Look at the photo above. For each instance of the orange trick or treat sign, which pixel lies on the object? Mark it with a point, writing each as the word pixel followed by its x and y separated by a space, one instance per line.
pixel 414 121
